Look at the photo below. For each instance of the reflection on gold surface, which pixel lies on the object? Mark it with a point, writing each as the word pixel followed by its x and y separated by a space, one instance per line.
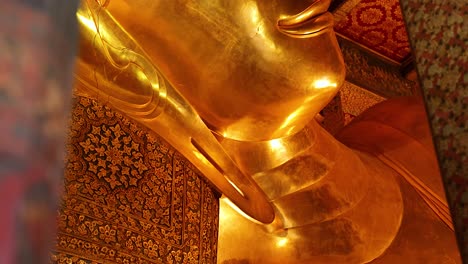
pixel 323 83
pixel 281 242
pixel 234 86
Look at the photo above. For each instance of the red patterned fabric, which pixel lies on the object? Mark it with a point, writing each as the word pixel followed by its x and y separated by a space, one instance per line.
pixel 379 26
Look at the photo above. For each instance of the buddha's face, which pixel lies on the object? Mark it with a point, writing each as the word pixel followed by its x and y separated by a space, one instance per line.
pixel 254 70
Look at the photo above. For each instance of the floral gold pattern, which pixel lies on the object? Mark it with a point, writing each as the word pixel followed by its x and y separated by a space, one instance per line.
pixel 356 100
pixel 373 74
pixel 130 197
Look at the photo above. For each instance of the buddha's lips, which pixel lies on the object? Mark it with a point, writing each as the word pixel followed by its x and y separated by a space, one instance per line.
pixel 312 21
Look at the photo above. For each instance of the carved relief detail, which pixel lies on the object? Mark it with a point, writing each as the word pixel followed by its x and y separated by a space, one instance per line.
pixel 130 197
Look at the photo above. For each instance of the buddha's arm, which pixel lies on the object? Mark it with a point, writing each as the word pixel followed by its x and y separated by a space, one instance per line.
pixel 112 67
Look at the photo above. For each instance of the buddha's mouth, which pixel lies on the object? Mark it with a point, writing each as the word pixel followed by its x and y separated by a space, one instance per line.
pixel 313 21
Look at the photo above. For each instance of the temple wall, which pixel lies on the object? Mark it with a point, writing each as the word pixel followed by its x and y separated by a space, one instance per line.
pixel 438 34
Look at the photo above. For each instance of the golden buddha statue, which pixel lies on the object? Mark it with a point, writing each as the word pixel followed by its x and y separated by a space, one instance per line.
pixel 235 86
